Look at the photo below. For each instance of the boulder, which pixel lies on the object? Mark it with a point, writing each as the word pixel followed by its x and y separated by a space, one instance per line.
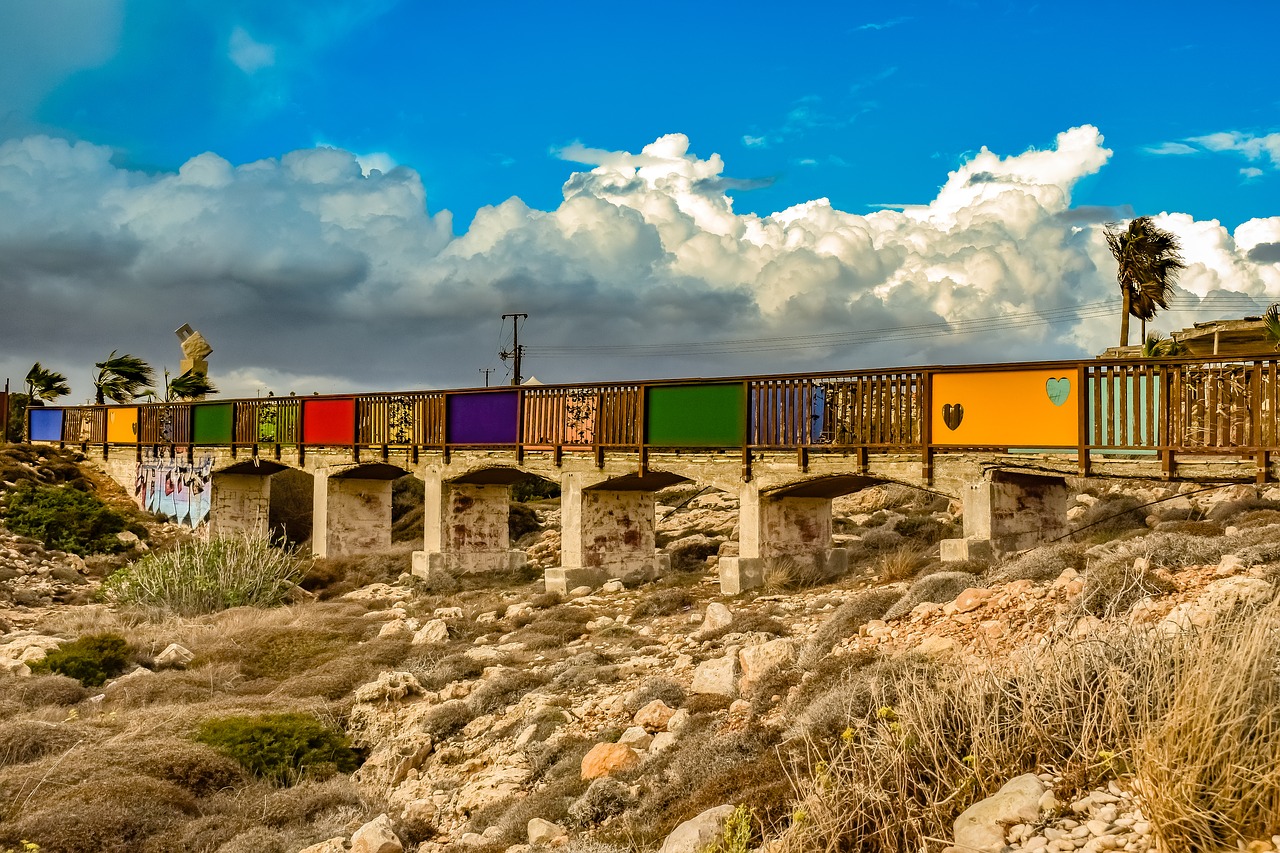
pixel 759 661
pixel 606 759
pixel 435 631
pixel 972 598
pixel 654 716
pixel 697 833
pixel 174 655
pixel 337 844
pixel 718 676
pixel 544 832
pixel 376 836
pixel 389 686
pixel 636 737
pixel 717 616
pixel 981 828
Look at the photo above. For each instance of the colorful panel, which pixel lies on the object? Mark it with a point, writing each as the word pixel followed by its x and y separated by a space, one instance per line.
pixel 46 424
pixel 122 425
pixel 790 414
pixel 329 421
pixel 696 415
pixel 212 423
pixel 484 418
pixel 1032 408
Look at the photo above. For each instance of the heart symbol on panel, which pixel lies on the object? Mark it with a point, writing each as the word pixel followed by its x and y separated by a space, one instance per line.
pixel 952 414
pixel 1058 390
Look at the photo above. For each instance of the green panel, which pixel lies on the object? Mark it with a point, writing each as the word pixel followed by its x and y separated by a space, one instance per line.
pixel 696 415
pixel 211 423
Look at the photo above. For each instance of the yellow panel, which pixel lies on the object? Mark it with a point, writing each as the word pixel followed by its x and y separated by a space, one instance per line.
pixel 1006 408
pixel 122 425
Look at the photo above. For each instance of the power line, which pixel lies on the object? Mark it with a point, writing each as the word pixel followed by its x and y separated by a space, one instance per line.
pixel 965 326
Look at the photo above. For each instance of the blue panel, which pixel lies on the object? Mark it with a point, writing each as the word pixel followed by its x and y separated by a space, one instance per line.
pixel 46 424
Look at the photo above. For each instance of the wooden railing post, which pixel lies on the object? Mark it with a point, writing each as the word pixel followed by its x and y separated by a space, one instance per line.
pixel 926 427
pixel 1082 403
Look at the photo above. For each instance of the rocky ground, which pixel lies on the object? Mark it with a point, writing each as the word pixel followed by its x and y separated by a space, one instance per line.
pixel 496 717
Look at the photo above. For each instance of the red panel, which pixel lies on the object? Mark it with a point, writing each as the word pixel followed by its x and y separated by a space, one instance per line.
pixel 329 421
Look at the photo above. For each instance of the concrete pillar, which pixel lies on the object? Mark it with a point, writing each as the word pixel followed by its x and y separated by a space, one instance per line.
pixel 777 528
pixel 238 505
pixel 1009 512
pixel 350 515
pixel 465 528
pixel 604 534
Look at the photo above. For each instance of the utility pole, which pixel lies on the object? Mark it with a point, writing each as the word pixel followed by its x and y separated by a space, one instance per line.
pixel 516 352
pixel 486 371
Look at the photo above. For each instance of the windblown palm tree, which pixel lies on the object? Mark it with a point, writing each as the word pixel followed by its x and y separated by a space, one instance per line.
pixel 1154 346
pixel 1148 261
pixel 121 378
pixel 189 386
pixel 47 385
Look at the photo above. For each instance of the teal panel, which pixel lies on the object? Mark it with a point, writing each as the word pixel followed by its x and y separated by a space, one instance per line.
pixel 1105 408
pixel 696 415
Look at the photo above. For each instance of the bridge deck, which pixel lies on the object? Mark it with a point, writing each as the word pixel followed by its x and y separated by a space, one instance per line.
pixel 1149 415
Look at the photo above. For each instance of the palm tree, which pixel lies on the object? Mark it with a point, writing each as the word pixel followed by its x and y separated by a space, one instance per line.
pixel 1154 346
pixel 189 386
pixel 1148 261
pixel 121 378
pixel 46 385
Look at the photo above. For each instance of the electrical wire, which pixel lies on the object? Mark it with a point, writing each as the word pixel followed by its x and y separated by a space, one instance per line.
pixel 966 326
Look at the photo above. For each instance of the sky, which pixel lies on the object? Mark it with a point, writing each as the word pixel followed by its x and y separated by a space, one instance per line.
pixel 347 196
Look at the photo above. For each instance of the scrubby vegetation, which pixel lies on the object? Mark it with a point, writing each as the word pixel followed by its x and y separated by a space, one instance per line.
pixel 91 660
pixel 65 518
pixel 280 748
pixel 207 576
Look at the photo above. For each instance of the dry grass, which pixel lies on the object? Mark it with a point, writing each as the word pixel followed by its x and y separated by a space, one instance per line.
pixel 1196 717
pixel 788 574
pixel 901 562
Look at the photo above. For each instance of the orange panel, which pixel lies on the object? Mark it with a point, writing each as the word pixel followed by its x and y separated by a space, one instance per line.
pixel 122 425
pixel 1033 408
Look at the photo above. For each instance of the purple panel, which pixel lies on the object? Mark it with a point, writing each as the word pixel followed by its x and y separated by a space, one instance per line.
pixel 484 418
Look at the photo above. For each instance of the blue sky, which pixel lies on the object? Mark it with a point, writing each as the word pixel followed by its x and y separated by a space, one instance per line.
pixel 865 105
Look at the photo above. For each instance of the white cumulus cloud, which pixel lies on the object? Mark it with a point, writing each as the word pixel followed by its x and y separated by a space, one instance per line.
pixel 323 270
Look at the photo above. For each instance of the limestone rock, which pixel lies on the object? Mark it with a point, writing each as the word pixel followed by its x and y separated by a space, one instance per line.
pixel 718 676
pixel 981 827
pixel 174 655
pixel 717 616
pixel 654 716
pixel 636 737
pixel 389 686
pixel 435 631
pixel 972 598
pixel 759 661
pixel 376 836
pixel 1218 598
pixel 396 629
pixel 697 833
pixel 544 832
pixel 337 844
pixel 606 759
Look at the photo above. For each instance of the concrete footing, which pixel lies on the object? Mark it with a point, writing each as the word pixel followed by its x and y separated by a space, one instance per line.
pixel 351 515
pixel 1013 512
pixel 962 550
pixel 741 574
pixel 239 504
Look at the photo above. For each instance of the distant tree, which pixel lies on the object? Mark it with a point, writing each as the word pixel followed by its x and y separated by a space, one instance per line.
pixel 46 385
pixel 189 386
pixel 1271 324
pixel 1154 346
pixel 121 378
pixel 1148 260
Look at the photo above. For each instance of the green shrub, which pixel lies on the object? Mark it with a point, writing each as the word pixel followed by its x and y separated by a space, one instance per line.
pixel 281 748
pixel 65 519
pixel 92 659
pixel 534 489
pixel 205 577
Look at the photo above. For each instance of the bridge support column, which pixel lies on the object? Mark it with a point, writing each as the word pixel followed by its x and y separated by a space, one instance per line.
pixel 604 534
pixel 466 528
pixel 774 530
pixel 1009 512
pixel 350 514
pixel 238 505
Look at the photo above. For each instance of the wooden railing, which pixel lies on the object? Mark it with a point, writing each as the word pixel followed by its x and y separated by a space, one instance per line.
pixel 1159 407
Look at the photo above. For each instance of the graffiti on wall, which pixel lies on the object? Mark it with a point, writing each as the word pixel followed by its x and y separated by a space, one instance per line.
pixel 174 488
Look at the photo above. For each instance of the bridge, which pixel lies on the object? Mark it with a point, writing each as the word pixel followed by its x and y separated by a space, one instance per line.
pixel 1001 438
